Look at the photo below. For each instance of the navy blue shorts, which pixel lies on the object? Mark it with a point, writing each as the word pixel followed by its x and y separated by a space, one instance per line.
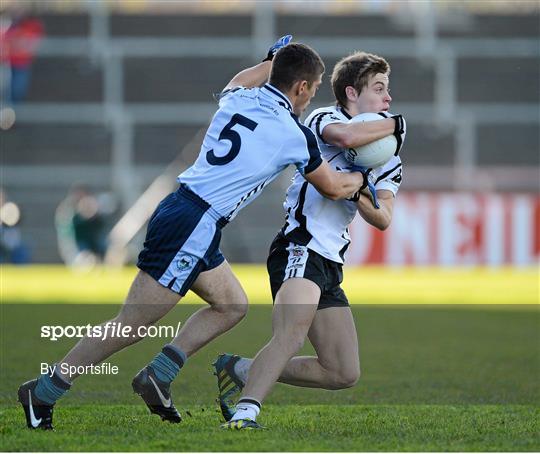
pixel 182 240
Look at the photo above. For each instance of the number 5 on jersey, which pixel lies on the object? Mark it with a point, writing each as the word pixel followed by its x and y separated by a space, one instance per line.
pixel 227 133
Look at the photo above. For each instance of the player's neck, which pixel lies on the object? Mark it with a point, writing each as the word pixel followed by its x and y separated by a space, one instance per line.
pixel 293 99
pixel 351 109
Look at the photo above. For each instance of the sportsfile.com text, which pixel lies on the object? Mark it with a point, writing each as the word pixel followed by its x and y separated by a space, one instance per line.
pixel 107 330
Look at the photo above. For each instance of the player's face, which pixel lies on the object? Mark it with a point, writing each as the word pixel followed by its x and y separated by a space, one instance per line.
pixel 375 97
pixel 306 93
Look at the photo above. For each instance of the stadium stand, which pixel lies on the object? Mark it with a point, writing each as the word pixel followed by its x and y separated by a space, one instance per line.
pixel 86 86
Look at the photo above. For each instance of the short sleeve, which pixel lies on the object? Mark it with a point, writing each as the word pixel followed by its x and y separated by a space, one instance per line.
pixel 225 94
pixel 312 154
pixel 322 119
pixel 390 176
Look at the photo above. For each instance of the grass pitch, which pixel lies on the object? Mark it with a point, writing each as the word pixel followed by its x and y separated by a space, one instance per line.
pixel 316 428
pixel 434 377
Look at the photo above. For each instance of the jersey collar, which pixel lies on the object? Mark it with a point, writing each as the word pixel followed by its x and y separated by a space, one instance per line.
pixel 278 96
pixel 344 112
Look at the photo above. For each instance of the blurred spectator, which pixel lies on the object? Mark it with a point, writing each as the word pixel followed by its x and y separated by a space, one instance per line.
pixel 12 247
pixel 18 45
pixel 80 225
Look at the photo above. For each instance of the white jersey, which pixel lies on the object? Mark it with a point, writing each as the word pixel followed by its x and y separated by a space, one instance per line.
pixel 253 136
pixel 320 223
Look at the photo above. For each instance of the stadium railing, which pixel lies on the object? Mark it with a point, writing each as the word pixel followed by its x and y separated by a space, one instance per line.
pixel 109 53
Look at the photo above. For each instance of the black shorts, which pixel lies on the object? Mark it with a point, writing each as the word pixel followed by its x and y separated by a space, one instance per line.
pixel 287 260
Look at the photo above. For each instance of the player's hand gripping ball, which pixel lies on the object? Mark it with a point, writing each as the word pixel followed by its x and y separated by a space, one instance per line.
pixel 378 152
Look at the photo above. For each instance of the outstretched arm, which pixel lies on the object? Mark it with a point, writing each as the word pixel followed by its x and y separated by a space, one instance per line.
pixel 257 75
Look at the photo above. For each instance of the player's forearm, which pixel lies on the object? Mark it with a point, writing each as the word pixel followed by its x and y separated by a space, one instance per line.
pixel 352 135
pixel 255 76
pixel 378 218
pixel 334 185
pixel 344 185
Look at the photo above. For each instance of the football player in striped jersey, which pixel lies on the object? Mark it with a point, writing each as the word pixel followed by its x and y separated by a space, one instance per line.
pixel 254 135
pixel 306 258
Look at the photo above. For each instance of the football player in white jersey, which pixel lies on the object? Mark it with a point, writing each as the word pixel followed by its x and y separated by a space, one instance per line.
pixel 254 135
pixel 306 257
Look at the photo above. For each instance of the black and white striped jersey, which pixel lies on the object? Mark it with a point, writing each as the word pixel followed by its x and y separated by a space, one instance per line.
pixel 313 220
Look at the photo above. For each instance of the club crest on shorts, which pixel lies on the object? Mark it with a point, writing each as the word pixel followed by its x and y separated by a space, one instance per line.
pixel 296 261
pixel 298 252
pixel 184 262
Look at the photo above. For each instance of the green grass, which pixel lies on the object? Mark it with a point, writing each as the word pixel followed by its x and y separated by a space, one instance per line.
pixel 290 428
pixel 442 378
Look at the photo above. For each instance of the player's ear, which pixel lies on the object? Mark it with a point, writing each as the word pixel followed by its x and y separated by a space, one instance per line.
pixel 300 87
pixel 351 93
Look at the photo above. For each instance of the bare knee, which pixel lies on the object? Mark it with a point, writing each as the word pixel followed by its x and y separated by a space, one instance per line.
pixel 345 378
pixel 237 311
pixel 349 379
pixel 235 308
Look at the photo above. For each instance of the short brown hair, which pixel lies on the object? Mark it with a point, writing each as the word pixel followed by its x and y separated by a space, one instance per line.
pixel 355 71
pixel 295 62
